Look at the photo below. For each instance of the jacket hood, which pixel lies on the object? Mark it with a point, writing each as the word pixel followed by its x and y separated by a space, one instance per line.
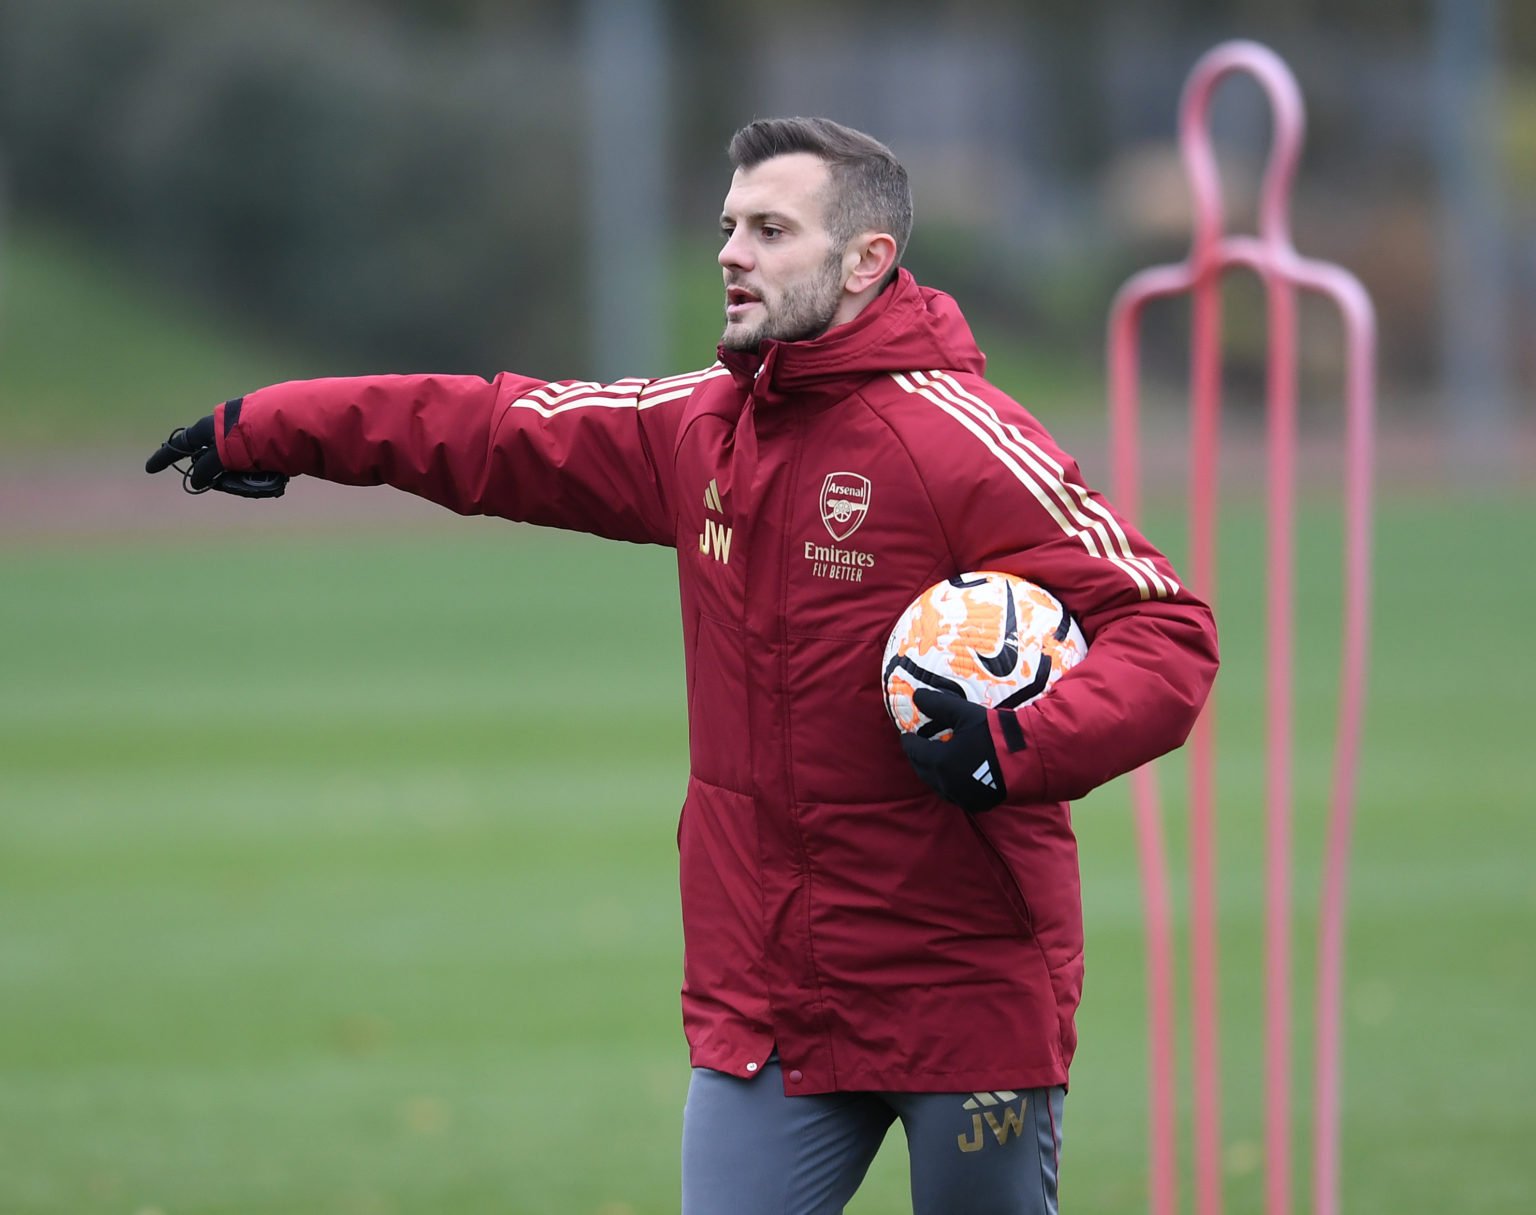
pixel 906 328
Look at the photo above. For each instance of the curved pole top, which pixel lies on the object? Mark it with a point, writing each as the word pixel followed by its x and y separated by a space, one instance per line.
pixel 1289 126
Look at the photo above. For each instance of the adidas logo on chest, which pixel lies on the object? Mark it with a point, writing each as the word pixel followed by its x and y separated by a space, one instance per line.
pixel 715 539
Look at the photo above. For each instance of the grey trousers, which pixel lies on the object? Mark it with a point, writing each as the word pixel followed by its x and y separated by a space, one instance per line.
pixel 750 1150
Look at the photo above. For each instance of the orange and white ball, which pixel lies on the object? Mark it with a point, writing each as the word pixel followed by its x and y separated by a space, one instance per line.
pixel 997 639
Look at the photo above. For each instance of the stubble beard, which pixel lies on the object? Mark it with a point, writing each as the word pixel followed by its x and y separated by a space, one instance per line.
pixel 805 312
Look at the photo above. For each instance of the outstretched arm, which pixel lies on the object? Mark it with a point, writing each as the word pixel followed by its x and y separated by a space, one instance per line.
pixel 571 454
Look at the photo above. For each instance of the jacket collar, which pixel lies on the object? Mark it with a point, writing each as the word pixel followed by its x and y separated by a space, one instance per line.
pixel 905 328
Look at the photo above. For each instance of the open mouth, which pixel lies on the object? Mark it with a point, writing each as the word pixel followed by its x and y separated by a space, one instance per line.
pixel 738 300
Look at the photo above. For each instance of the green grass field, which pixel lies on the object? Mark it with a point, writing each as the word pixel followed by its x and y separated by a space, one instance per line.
pixel 332 880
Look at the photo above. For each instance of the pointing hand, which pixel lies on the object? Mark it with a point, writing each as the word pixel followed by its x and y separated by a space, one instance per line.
pixel 206 471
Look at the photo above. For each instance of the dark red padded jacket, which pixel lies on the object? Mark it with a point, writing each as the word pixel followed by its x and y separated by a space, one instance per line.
pixel 833 907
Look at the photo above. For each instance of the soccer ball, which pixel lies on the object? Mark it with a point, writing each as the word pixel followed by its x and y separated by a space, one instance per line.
pixel 994 638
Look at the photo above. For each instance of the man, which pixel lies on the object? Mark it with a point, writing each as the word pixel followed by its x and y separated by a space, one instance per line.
pixel 858 949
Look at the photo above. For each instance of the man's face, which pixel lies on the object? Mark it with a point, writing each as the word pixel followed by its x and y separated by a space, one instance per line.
pixel 783 278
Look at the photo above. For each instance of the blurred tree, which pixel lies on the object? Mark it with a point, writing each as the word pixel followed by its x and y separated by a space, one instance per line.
pixel 354 180
pixel 408 177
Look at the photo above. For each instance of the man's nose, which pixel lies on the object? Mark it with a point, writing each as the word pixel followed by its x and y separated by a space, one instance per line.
pixel 735 253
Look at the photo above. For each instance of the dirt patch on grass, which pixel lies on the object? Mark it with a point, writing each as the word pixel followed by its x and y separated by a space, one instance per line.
pixel 101 495
pixel 104 495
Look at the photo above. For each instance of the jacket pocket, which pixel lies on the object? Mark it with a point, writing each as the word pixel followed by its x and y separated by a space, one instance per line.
pixel 905 893
pixel 1007 883
pixel 721 889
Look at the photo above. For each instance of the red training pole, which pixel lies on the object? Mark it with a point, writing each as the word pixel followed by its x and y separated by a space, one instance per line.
pixel 1162 1090
pixel 1273 257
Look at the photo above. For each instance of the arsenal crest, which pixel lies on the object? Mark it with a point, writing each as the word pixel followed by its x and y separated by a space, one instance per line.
pixel 844 503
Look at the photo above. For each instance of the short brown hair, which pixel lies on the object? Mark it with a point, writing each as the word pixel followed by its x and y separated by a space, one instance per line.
pixel 870 192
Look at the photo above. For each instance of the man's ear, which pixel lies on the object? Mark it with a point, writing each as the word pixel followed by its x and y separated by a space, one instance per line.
pixel 868 260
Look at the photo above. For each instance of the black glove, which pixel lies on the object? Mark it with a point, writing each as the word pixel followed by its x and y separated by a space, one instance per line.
pixel 207 471
pixel 963 768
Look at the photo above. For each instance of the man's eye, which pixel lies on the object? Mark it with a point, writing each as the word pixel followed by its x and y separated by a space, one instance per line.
pixel 772 233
